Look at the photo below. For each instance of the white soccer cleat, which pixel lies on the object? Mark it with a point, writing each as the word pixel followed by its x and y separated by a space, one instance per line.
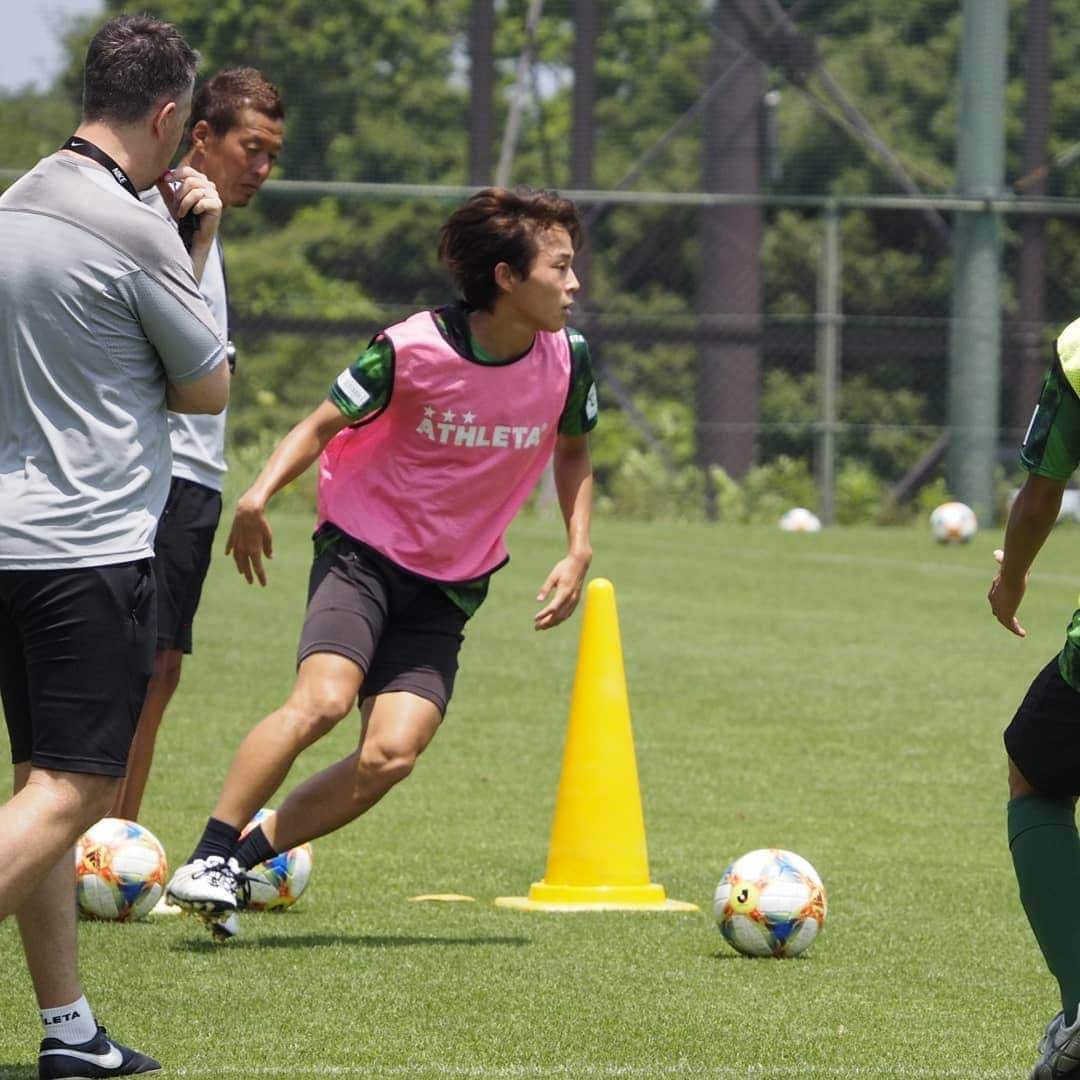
pixel 225 929
pixel 210 886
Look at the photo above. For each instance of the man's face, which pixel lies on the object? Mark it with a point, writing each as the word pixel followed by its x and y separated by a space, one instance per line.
pixel 545 297
pixel 240 160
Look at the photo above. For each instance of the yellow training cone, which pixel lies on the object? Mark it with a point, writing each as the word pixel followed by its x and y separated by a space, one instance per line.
pixel 598 859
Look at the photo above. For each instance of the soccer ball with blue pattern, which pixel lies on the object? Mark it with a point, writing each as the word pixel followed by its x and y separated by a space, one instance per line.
pixel 120 870
pixel 278 882
pixel 770 902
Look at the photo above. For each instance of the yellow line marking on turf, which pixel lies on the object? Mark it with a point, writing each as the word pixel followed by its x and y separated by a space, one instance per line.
pixel 450 897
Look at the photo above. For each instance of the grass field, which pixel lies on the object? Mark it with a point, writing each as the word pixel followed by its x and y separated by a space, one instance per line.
pixel 839 694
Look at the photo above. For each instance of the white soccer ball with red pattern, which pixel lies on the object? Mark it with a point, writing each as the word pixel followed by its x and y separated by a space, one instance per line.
pixel 120 870
pixel 799 519
pixel 770 902
pixel 953 523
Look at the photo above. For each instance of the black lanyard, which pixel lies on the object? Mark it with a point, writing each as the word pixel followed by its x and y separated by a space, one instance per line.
pixel 95 153
pixel 188 224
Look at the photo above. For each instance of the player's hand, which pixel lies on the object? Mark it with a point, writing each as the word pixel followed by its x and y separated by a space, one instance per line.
pixel 1005 598
pixel 250 538
pixel 562 591
pixel 185 190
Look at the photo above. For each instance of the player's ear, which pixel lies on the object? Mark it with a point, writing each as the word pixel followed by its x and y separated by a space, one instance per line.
pixel 164 116
pixel 505 277
pixel 200 132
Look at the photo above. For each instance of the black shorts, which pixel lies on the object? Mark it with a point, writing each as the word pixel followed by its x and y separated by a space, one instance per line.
pixel 76 652
pixel 1043 739
pixel 403 631
pixel 182 549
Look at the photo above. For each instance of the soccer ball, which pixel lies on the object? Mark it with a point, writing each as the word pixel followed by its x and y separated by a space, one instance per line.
pixel 277 883
pixel 120 870
pixel 770 903
pixel 799 519
pixel 953 523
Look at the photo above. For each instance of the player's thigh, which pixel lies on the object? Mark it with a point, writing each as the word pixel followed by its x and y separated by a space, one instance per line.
pixel 420 645
pixel 1043 738
pixel 76 683
pixel 346 610
pixel 327 687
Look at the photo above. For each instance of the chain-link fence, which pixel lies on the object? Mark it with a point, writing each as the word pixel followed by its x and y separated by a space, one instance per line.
pixel 752 354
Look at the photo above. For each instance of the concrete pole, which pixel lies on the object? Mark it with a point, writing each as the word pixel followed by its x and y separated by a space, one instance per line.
pixel 975 328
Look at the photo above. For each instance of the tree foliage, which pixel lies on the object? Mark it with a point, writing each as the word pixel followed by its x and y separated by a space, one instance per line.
pixel 377 90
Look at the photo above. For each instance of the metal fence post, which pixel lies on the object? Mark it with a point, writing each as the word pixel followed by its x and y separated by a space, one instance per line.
pixel 827 347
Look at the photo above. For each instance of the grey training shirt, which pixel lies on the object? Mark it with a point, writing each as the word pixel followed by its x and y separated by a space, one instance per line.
pixel 98 310
pixel 198 441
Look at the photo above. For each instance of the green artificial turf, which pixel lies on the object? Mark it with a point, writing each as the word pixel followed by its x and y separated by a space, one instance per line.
pixel 841 695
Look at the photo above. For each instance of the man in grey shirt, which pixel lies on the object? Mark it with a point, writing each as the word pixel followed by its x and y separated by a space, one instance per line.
pixel 102 328
pixel 235 135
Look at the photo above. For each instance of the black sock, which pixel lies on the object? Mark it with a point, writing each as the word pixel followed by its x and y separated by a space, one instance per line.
pixel 218 838
pixel 254 849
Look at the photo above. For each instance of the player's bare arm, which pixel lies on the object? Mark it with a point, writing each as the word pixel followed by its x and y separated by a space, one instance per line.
pixel 573 484
pixel 250 537
pixel 207 394
pixel 1030 520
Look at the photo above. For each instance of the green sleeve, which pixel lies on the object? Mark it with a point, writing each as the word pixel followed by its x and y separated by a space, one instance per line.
pixel 363 389
pixel 580 411
pixel 1051 447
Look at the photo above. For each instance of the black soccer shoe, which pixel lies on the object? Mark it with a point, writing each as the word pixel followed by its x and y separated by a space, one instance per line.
pixel 99 1057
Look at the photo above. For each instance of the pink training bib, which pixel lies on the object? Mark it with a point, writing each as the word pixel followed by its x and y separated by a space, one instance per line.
pixel 434 480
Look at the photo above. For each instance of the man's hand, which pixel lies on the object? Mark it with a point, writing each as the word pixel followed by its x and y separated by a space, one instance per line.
pixel 1005 597
pixel 187 191
pixel 562 590
pixel 249 540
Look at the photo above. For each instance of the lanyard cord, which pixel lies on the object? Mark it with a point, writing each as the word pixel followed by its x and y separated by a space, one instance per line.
pixel 95 153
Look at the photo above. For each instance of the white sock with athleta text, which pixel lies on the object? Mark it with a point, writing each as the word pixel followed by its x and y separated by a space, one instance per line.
pixel 71 1024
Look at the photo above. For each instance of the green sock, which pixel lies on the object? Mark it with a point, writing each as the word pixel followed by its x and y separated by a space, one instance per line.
pixel 1045 850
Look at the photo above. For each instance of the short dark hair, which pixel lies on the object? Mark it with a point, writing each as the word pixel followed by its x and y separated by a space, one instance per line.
pixel 221 99
pixel 133 63
pixel 500 225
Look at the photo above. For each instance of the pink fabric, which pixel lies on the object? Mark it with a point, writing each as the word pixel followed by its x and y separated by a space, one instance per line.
pixel 434 481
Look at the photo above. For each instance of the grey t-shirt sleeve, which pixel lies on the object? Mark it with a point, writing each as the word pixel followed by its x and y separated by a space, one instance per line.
pixel 189 347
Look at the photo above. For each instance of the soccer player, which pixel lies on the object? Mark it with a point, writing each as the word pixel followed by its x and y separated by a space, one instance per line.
pixel 428 445
pixel 101 328
pixel 1043 739
pixel 236 133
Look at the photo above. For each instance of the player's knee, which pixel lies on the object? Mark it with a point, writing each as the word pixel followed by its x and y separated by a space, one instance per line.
pixel 84 799
pixel 313 717
pixel 101 801
pixel 388 763
pixel 1018 783
pixel 167 671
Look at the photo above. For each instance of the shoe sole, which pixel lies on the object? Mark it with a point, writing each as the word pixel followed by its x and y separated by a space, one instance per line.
pixel 214 921
pixel 1053 1070
pixel 82 1076
pixel 220 933
pixel 200 907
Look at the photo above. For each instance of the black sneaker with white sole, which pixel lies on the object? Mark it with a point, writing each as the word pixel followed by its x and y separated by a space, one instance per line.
pixel 99 1057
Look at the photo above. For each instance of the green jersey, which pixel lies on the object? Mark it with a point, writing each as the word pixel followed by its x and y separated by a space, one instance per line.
pixel 1051 448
